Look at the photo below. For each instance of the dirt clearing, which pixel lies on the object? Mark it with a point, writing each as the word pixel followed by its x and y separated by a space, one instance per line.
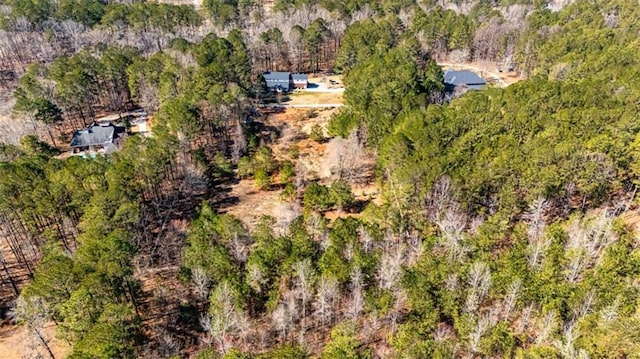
pixel 14 343
pixel 333 81
pixel 296 125
pixel 249 204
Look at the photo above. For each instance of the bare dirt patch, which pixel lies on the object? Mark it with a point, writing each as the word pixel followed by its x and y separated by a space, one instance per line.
pixel 14 343
pixel 249 204
pixel 297 125
pixel 632 218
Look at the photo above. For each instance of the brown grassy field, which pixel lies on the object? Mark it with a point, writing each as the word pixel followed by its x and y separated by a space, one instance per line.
pixel 319 98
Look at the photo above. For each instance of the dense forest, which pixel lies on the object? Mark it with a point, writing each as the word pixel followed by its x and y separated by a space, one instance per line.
pixel 504 224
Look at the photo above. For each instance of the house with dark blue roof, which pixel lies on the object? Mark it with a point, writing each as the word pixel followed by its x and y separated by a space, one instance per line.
pixel 463 78
pixel 278 81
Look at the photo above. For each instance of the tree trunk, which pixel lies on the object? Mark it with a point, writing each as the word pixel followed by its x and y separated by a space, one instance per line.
pixel 13 283
pixel 44 343
pixel 51 136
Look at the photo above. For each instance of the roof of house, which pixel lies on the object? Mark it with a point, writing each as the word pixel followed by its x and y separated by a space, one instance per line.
pixel 276 76
pixel 300 77
pixel 278 80
pixel 94 135
pixel 464 77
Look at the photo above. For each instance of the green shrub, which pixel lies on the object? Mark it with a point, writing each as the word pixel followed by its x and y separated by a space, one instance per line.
pixel 293 152
pixel 341 194
pixel 342 124
pixel 317 133
pixel 263 159
pixel 317 198
pixel 286 172
pixel 245 167
pixel 285 352
pixel 262 179
pixel 289 192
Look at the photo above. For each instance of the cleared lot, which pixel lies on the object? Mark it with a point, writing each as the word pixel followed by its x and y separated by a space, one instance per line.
pixel 313 97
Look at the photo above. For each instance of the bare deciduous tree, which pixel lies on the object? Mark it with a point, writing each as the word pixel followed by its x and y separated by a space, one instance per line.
pixel 316 225
pixel 285 314
pixel 452 224
pixel 585 307
pixel 201 282
pixel 546 327
pixel 195 181
pixel 239 147
pixel 479 330
pixel 256 277
pixel 286 214
pixel 168 344
pixel 390 266
pixel 239 247
pixel 513 292
pixel 452 283
pixel 366 239
pixel 361 14
pixel 610 312
pixel 280 320
pixel 566 346
pixel 305 279
pixel 588 240
pixel 525 316
pixel 147 96
pixel 225 317
pixel 300 180
pixel 611 19
pixel 459 56
pixel 479 282
pixel 357 292
pixel 327 293
pixel 538 243
pixel 398 305
pixel 345 158
pixel 496 39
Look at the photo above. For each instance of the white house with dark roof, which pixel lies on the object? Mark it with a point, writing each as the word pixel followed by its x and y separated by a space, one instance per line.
pixel 300 81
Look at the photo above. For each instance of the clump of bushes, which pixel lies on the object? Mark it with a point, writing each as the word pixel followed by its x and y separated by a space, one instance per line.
pixel 321 198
